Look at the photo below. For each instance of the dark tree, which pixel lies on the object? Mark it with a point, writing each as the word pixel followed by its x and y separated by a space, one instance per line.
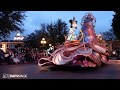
pixel 116 24
pixel 62 29
pixel 109 35
pixel 30 40
pixel 34 39
pixel 57 31
pixel 53 33
pixel 11 21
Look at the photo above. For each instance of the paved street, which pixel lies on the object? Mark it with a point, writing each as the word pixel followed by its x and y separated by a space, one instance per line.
pixel 32 71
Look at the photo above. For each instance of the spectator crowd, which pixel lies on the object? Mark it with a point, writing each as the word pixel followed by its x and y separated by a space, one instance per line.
pixel 28 56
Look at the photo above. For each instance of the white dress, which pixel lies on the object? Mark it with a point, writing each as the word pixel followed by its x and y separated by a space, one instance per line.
pixel 71 35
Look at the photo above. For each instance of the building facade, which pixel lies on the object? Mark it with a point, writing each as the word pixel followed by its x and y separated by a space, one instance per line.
pixel 6 45
pixel 10 45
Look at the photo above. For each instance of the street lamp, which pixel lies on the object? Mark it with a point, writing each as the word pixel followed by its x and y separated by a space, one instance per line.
pixel 50 45
pixel 43 41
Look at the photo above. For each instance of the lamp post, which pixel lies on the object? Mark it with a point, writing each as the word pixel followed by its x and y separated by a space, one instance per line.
pixel 43 41
pixel 50 45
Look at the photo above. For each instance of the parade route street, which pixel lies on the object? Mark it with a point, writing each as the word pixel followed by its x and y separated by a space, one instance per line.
pixel 111 70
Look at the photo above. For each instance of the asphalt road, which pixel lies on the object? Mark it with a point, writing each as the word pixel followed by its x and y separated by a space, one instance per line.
pixel 111 70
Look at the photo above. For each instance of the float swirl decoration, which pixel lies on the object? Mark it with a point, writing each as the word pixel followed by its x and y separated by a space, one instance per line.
pixel 85 50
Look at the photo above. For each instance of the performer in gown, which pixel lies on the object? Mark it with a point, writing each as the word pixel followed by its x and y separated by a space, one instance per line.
pixel 71 34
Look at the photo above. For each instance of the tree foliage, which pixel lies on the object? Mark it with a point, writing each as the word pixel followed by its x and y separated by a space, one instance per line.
pixel 53 33
pixel 109 35
pixel 11 21
pixel 57 31
pixel 116 24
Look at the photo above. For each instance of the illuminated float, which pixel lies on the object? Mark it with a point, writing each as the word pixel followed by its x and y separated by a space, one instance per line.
pixel 85 50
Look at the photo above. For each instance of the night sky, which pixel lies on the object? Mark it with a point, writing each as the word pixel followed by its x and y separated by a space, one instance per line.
pixel 35 18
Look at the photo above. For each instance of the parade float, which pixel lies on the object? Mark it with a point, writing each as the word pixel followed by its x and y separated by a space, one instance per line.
pixel 85 50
